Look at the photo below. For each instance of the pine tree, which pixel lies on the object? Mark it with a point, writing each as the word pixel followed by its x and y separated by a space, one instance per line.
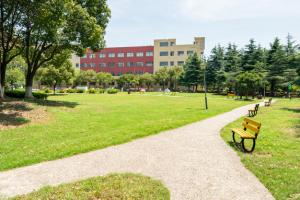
pixel 276 63
pixel 192 75
pixel 232 58
pixel 215 66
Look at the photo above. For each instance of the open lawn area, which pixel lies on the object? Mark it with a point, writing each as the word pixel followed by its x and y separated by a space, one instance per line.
pixel 276 159
pixel 78 123
pixel 114 186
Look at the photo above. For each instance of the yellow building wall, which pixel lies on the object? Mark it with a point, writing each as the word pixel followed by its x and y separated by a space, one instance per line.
pixel 198 46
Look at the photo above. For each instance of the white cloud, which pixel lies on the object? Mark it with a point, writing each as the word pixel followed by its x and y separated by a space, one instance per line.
pixel 207 10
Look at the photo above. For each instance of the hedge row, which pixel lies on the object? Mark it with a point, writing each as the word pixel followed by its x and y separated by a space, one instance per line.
pixel 20 94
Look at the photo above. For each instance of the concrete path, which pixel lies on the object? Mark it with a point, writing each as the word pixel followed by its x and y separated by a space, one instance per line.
pixel 192 161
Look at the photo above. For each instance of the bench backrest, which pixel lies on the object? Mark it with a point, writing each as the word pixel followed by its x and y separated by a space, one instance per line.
pixel 256 107
pixel 252 125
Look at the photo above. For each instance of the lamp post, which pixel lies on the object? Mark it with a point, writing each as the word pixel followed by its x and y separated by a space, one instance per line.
pixel 205 88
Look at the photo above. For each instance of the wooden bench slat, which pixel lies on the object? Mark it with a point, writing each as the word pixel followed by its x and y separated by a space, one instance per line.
pixel 252 122
pixel 243 134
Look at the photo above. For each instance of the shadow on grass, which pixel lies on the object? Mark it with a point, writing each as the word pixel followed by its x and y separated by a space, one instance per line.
pixel 52 103
pixel 237 146
pixel 10 113
pixel 295 110
pixel 12 119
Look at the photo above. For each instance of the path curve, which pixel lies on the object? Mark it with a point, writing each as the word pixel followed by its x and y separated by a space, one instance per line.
pixel 192 161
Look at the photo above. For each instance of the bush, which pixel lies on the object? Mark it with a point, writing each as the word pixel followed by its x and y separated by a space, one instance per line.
pixel 101 91
pixel 92 91
pixel 79 90
pixel 112 91
pixel 47 91
pixel 70 90
pixel 62 91
pixel 20 94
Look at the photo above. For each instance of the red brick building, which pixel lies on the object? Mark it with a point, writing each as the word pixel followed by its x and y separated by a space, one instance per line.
pixel 120 60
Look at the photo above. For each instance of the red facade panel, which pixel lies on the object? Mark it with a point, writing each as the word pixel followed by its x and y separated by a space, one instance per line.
pixel 136 60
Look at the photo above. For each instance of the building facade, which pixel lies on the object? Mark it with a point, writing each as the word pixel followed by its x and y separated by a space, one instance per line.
pixel 168 53
pixel 120 60
pixel 141 59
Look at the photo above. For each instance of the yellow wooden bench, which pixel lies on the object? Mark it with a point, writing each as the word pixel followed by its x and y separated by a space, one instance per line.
pixel 268 103
pixel 249 131
pixel 253 112
pixel 230 95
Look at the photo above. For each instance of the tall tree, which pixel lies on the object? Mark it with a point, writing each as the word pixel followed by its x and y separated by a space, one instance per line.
pixel 104 79
pixel 193 74
pixel 252 56
pixel 161 77
pixel 175 73
pixel 147 80
pixel 232 58
pixel 86 77
pixel 276 63
pixel 59 71
pixel 10 16
pixel 53 26
pixel 215 66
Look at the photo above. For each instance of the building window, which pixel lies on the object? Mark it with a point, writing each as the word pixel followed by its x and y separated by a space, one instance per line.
pixel 162 64
pixel 164 44
pixel 164 53
pixel 130 64
pixel 180 53
pixel 130 54
pixel 190 53
pixel 172 63
pixel 102 65
pixel 139 54
pixel 140 64
pixel 83 65
pixel 77 65
pixel 92 55
pixel 172 43
pixel 120 74
pixel 149 53
pixel 172 53
pixel 101 55
pixel 92 65
pixel 120 55
pixel 84 56
pixel 111 64
pixel 120 64
pixel 149 64
pixel 111 55
pixel 180 63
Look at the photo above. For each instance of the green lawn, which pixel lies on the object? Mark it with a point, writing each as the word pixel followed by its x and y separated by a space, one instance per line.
pixel 115 186
pixel 276 159
pixel 84 122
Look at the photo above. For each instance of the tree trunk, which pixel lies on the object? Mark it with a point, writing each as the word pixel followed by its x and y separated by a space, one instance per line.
pixel 28 87
pixel 1 91
pixel 54 86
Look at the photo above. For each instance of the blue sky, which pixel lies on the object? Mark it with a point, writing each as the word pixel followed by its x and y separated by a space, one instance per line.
pixel 139 22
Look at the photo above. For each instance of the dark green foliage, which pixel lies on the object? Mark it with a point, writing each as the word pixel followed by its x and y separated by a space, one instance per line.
pixel 193 74
pixel 80 90
pixel 92 91
pixel 101 91
pixel 20 94
pixel 112 91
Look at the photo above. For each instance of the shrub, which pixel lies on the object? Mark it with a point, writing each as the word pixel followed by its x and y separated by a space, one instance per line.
pixel 101 91
pixel 112 91
pixel 47 91
pixel 20 94
pixel 70 90
pixel 79 90
pixel 92 91
pixel 62 91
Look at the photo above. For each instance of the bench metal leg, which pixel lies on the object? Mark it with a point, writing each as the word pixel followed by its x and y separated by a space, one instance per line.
pixel 233 138
pixel 245 148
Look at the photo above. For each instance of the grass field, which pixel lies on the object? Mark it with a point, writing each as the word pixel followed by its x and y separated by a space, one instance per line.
pixel 276 159
pixel 80 123
pixel 115 186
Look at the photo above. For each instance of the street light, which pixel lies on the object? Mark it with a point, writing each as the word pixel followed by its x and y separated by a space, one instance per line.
pixel 205 86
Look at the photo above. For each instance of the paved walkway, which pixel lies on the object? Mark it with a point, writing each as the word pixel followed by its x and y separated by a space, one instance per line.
pixel 192 161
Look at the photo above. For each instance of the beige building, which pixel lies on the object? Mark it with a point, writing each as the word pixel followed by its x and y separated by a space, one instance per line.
pixel 75 60
pixel 168 53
